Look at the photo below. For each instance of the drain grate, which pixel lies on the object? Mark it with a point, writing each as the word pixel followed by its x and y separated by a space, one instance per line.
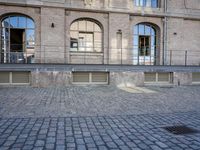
pixel 180 130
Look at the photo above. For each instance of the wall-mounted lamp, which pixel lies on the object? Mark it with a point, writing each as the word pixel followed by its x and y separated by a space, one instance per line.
pixel 119 31
pixel 52 25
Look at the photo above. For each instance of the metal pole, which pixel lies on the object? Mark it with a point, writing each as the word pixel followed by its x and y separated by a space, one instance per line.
pixel 185 58
pixel 165 28
pixel 170 57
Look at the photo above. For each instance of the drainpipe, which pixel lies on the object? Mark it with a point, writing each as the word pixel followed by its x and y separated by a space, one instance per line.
pixel 165 34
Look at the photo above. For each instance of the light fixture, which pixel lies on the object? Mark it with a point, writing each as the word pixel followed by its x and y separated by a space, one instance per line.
pixel 119 31
pixel 52 25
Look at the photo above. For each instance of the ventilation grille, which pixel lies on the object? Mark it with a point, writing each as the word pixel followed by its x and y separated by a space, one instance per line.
pixel 157 77
pixel 90 77
pixel 180 130
pixel 14 78
pixel 196 77
pixel 4 77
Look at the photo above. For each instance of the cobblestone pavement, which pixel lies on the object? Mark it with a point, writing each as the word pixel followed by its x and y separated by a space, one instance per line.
pixel 137 132
pixel 101 117
pixel 95 100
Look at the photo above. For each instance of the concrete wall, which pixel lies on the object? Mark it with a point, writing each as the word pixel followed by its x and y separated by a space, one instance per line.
pixel 50 78
pixel 118 79
pixel 183 35
pixel 127 79
pixel 116 52
pixel 182 78
pixel 52 38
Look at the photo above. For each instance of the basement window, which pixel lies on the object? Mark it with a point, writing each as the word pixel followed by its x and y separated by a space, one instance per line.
pixel 90 77
pixel 196 78
pixel 15 78
pixel 155 77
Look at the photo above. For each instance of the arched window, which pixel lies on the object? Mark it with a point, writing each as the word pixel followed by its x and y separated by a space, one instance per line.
pixel 17 39
pixel 147 3
pixel 144 44
pixel 85 36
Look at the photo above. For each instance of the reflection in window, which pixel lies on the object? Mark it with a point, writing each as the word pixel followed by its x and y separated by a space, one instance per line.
pixel 147 3
pixel 85 36
pixel 144 44
pixel 17 39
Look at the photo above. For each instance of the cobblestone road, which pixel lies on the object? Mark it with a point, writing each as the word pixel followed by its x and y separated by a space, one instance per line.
pixel 119 132
pixel 98 118
pixel 95 100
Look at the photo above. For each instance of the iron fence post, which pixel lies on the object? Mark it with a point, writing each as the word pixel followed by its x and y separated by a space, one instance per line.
pixel 170 57
pixel 185 58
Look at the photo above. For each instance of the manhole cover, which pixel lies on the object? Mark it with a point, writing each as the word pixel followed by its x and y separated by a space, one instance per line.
pixel 180 130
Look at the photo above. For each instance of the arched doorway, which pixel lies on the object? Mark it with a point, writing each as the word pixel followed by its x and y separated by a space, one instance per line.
pixel 145 44
pixel 17 39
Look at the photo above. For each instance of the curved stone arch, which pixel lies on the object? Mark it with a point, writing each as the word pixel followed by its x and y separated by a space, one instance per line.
pixel 89 19
pixel 155 25
pixel 5 15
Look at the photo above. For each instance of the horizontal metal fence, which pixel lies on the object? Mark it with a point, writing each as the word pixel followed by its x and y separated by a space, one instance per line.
pixel 118 56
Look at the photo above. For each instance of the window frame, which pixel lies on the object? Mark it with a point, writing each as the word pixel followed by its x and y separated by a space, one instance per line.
pixel 6 53
pixel 93 31
pixel 143 3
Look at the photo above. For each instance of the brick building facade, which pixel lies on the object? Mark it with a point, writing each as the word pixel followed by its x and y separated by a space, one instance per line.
pixel 100 32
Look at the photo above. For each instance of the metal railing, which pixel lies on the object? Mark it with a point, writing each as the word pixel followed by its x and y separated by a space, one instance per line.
pixel 117 56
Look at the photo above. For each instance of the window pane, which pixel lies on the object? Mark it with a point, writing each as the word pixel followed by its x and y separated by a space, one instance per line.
pixel 154 3
pixel 30 42
pixel 30 35
pixel 74 26
pixel 90 26
pixel 81 42
pixel 148 3
pixel 4 34
pixel 22 22
pixel 152 31
pixel 97 28
pixel 135 40
pixel 143 3
pixel 74 40
pixel 82 25
pixel 136 29
pixel 147 30
pixel 137 2
pixel 89 42
pixel 141 29
pixel 97 36
pixel 30 23
pixel 153 41
pixel 13 22
pixel 97 42
pixel 5 23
